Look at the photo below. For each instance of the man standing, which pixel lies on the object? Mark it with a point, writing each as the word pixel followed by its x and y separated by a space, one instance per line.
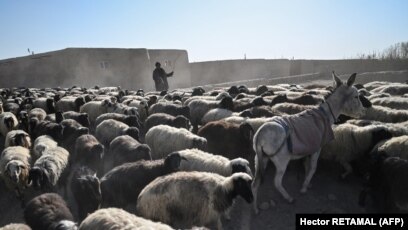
pixel 160 78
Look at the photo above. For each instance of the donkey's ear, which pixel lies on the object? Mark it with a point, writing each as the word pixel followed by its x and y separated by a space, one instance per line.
pixel 336 80
pixel 351 79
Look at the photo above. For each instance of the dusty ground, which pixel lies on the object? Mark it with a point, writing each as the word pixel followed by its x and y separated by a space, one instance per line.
pixel 329 193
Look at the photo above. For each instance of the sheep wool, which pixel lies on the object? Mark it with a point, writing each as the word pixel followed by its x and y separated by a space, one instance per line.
pixel 210 195
pixel 116 219
pixel 164 139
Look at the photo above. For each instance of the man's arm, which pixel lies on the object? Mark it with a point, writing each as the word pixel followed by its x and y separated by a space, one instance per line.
pixel 170 74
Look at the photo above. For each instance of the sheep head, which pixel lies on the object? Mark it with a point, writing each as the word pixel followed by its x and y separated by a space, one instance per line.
pixel 172 161
pixel 242 186
pixel 38 178
pixel 14 169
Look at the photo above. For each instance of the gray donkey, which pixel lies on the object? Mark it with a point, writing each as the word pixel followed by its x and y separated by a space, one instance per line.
pixel 302 136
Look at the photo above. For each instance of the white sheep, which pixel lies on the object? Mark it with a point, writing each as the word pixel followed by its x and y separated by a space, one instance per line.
pixel 69 103
pixel 47 104
pixel 41 144
pixel 395 147
pixel 38 113
pixel 384 114
pixel 96 108
pixel 198 108
pixel 217 114
pixel 8 122
pixel 164 139
pixel 115 218
pixel 108 129
pixel 48 169
pixel 141 105
pixel 352 143
pixel 198 160
pixel 392 102
pixel 15 164
pixel 18 138
pixel 209 196
pixel 291 108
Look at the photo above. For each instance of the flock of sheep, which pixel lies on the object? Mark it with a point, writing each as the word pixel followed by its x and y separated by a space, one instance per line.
pixel 107 158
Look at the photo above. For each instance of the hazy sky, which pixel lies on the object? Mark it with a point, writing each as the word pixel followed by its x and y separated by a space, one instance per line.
pixel 208 30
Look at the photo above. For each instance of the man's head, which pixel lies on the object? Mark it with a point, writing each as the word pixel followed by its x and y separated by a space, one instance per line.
pixel 157 64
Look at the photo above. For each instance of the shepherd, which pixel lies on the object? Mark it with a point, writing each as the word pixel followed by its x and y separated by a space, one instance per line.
pixel 302 136
pixel 160 78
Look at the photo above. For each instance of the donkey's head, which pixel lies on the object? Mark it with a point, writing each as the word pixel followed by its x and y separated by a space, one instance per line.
pixel 348 97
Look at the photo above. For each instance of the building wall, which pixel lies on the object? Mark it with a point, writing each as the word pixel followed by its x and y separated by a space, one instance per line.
pixel 215 72
pixel 129 68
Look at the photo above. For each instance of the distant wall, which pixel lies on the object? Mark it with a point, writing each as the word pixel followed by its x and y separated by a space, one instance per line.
pixel 129 68
pixel 214 72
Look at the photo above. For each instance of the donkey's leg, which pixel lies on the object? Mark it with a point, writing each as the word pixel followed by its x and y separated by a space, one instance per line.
pixel 281 161
pixel 312 169
pixel 260 166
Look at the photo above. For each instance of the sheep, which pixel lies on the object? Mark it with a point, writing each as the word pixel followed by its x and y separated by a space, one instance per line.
pixel 141 105
pixel 108 129
pixel 291 108
pixel 96 108
pixel 198 108
pixel 115 218
pixel 229 140
pixel 246 103
pixel 170 109
pixel 85 188
pixel 164 139
pixel 18 138
pixel 260 111
pixel 39 128
pixel 255 123
pixel 352 143
pixel 124 109
pixel 49 168
pixel 69 103
pixel 155 119
pixel 39 113
pixel 48 211
pixel 130 120
pixel 41 144
pixel 217 114
pixel 210 195
pixel 394 147
pixel 218 97
pixel 47 104
pixel 122 184
pixel 15 164
pixel 8 122
pixel 384 114
pixel 387 184
pixel 125 149
pixel 15 227
pixel 393 89
pixel 392 102
pixel 197 160
pixel 81 118
pixel 88 151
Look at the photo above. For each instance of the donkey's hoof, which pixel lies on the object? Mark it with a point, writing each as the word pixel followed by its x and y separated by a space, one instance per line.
pixel 303 190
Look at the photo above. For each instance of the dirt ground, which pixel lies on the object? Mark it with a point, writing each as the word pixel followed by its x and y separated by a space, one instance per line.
pixel 329 194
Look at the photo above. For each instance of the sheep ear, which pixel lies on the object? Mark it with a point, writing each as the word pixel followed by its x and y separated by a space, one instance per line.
pixel 351 79
pixel 337 80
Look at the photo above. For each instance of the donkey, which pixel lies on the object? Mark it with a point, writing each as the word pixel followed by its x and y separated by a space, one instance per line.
pixel 302 136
